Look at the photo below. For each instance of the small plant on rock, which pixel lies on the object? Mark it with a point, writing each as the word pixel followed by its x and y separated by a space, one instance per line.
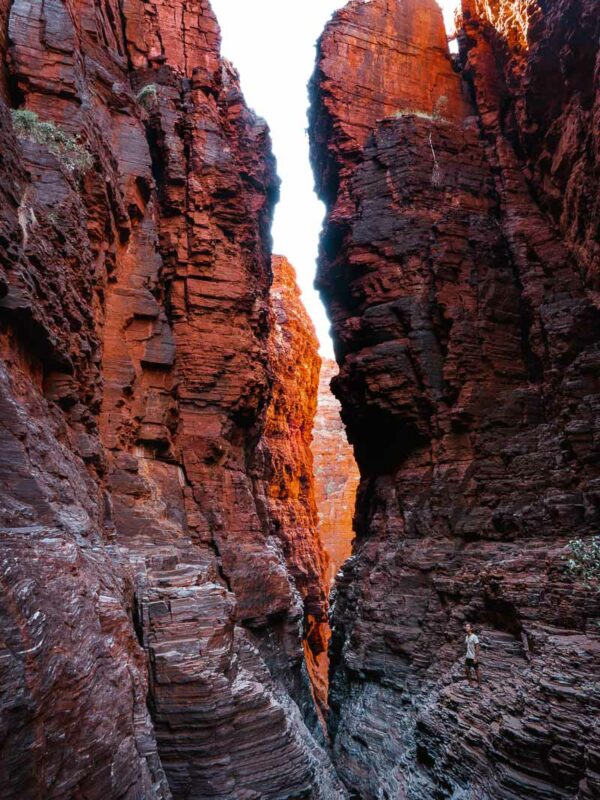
pixel 439 109
pixel 72 154
pixel 414 112
pixel 147 97
pixel 437 115
pixel 584 560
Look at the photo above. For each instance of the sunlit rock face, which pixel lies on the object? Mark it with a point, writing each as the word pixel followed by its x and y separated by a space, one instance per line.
pixel 397 56
pixel 457 263
pixel 154 610
pixel 336 474
pixel 286 446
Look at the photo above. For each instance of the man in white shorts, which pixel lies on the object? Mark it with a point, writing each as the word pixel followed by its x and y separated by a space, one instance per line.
pixel 472 660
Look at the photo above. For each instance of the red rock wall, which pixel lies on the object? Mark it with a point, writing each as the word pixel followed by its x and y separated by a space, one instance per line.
pixel 468 350
pixel 295 363
pixel 397 55
pixel 152 623
pixel 336 474
pixel 535 70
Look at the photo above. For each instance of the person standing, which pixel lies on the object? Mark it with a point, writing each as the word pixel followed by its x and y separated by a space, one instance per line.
pixel 472 659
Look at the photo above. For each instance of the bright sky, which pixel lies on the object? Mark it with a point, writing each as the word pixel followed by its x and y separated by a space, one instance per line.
pixel 271 43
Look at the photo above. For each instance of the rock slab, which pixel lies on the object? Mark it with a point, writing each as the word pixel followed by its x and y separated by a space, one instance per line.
pixel 466 329
pixel 336 474
pixel 161 611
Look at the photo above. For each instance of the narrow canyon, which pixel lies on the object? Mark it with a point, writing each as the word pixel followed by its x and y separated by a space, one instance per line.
pixel 217 578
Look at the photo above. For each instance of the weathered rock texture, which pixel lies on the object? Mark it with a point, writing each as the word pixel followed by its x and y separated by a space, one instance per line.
pixel 458 262
pixel 336 474
pixel 155 601
pixel 536 74
pixel 397 56
pixel 295 362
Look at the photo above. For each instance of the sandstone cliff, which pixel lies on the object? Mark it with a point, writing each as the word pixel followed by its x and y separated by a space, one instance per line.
pixel 155 604
pixel 458 263
pixel 295 362
pixel 336 474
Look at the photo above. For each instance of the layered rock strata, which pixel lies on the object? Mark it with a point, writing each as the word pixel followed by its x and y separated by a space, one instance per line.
pixel 336 474
pixel 457 262
pixel 536 74
pixel 154 608
pixel 286 445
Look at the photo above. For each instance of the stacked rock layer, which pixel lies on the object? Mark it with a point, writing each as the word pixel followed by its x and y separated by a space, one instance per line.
pixel 159 585
pixel 336 474
pixel 286 445
pixel 459 264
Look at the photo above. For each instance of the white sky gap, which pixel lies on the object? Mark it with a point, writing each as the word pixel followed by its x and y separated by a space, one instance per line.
pixel 271 43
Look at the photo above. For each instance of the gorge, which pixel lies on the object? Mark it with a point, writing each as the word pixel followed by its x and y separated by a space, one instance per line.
pixel 169 523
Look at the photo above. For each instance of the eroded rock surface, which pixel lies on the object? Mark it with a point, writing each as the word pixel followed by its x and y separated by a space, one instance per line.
pixel 457 263
pixel 536 75
pixel 336 474
pixel 289 469
pixel 155 603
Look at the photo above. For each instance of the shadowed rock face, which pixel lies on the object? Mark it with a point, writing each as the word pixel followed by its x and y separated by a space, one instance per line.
pixel 535 72
pixel 156 596
pixel 457 263
pixel 336 474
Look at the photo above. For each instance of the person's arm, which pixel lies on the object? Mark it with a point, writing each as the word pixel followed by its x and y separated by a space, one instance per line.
pixel 477 651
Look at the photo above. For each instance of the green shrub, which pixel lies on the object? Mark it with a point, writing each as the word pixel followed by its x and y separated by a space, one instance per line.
pixel 72 154
pixel 148 96
pixel 584 560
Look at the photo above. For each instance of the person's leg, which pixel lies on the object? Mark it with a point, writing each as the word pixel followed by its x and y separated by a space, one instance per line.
pixel 468 672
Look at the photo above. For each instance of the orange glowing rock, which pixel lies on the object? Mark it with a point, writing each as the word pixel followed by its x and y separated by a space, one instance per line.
pixel 336 474
pixel 294 361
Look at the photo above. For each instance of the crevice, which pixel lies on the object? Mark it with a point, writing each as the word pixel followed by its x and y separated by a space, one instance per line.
pixel 123 27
